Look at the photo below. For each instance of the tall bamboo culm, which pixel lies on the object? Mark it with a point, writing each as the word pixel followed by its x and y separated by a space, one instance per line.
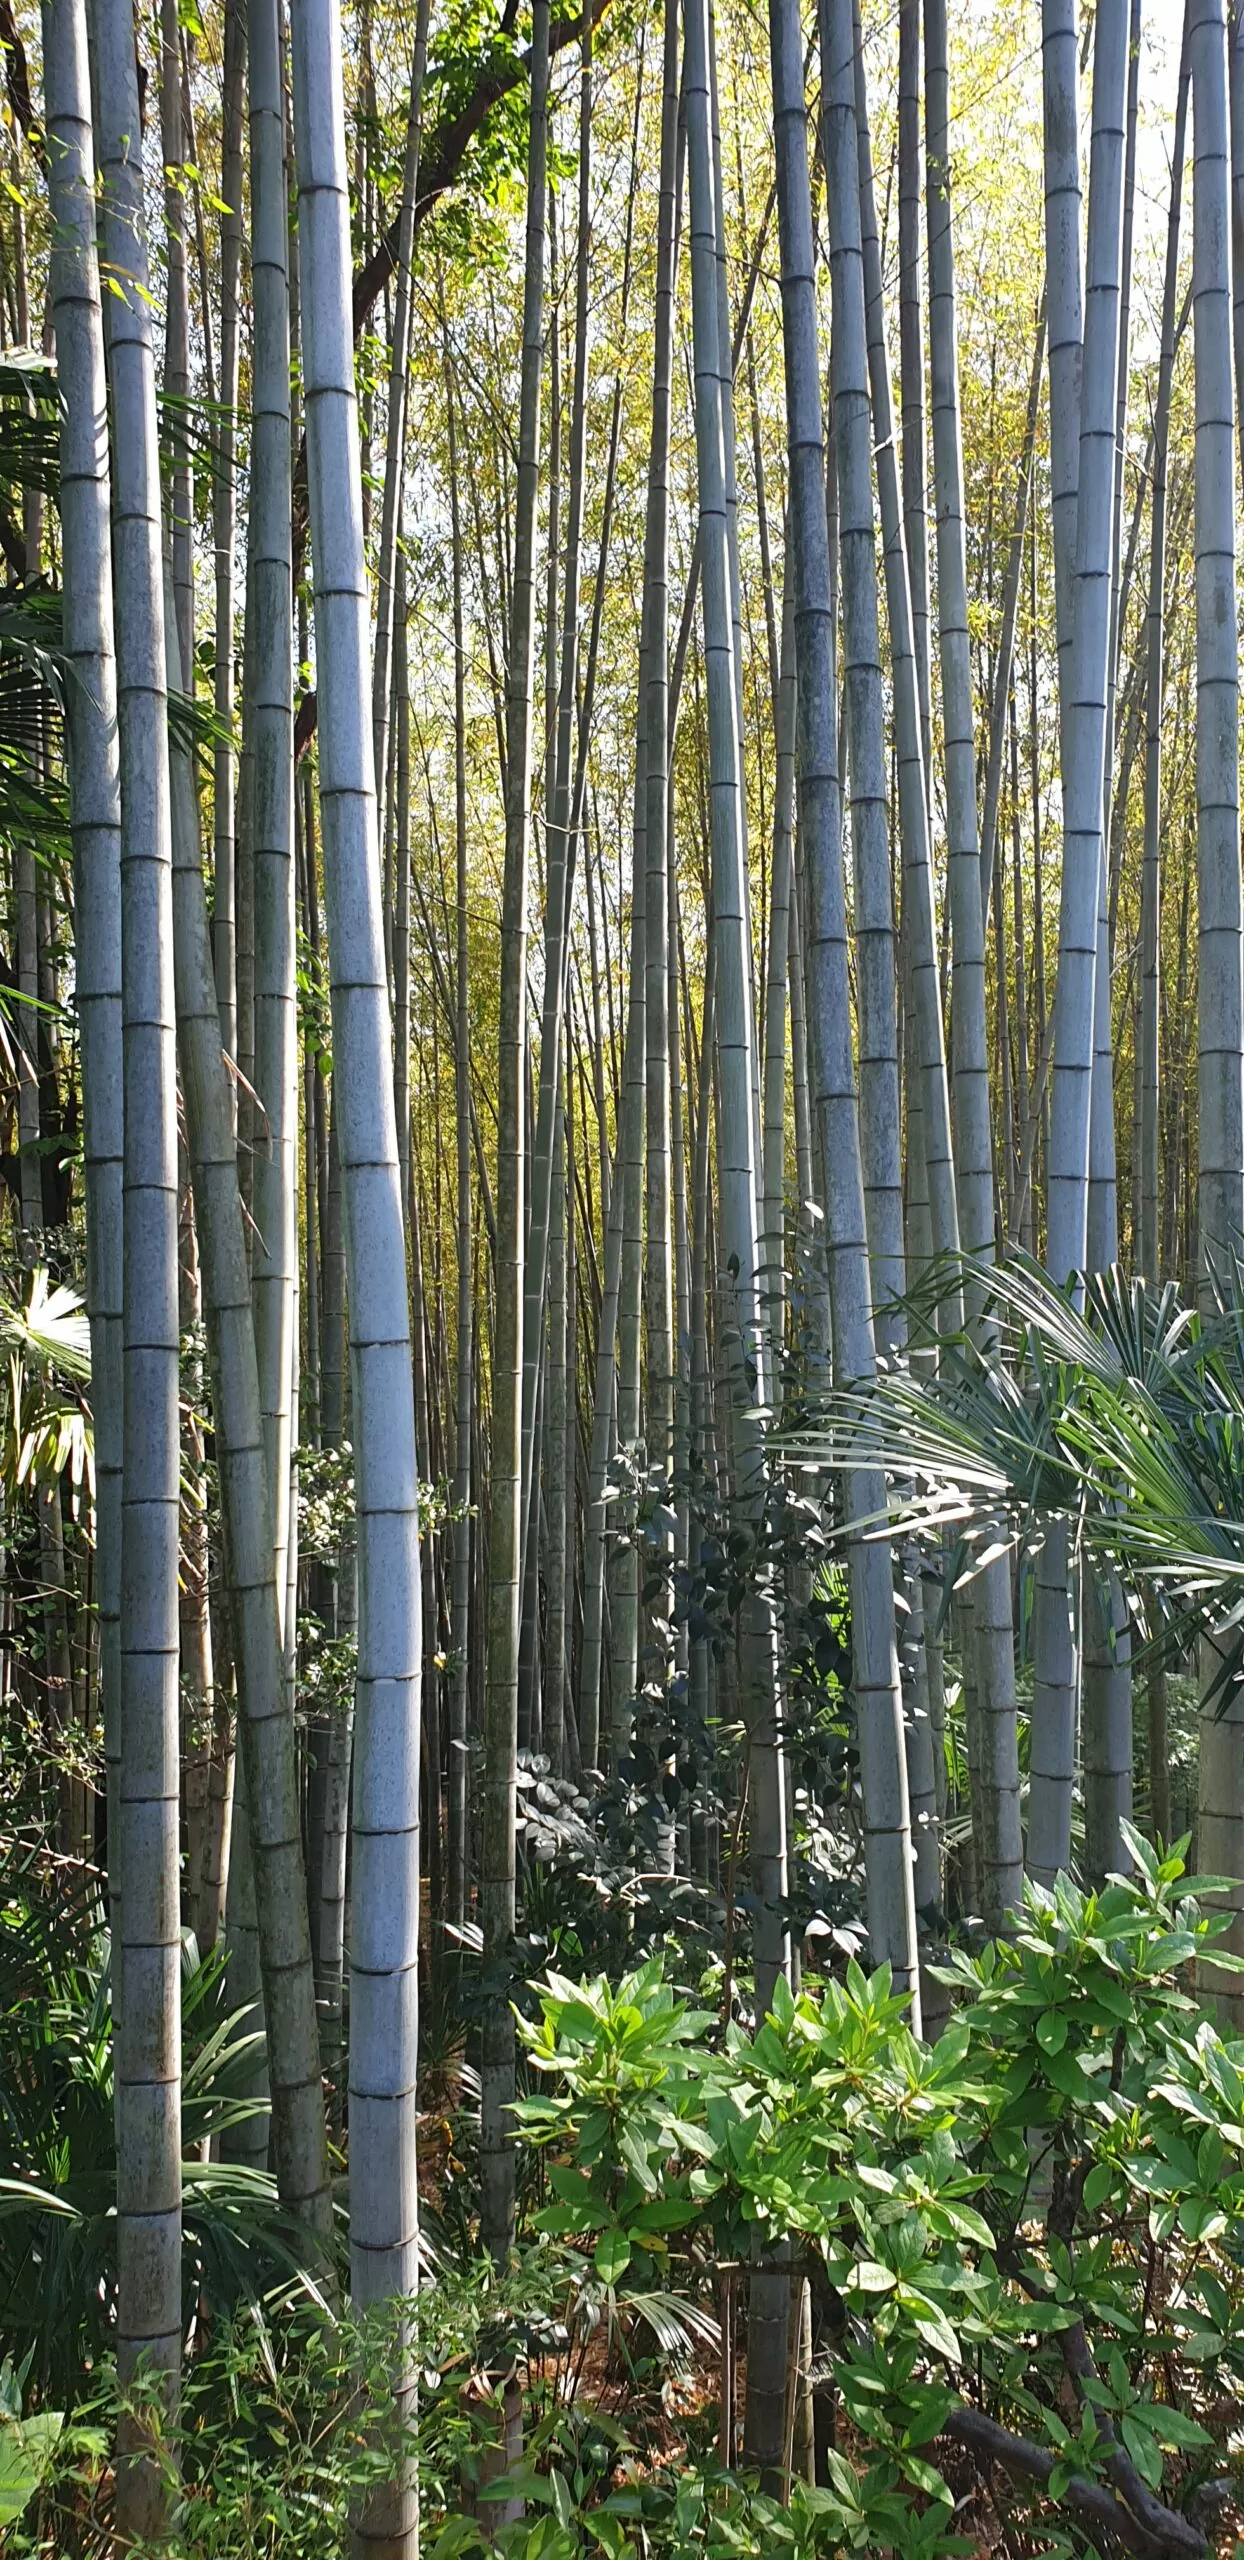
pixel 497 1881
pixel 94 783
pixel 1220 1047
pixel 887 1820
pixel 148 1975
pixel 385 1812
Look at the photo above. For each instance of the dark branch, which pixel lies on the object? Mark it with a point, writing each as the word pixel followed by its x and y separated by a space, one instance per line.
pixel 1163 2535
pixel 17 82
pixel 440 167
pixel 13 545
pixel 447 147
pixel 1171 2532
pixel 304 725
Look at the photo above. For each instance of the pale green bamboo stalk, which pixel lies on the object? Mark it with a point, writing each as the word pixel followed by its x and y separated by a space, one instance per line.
pixel 887 1825
pixel 741 1345
pixel 148 1975
pixel 1085 425
pixel 996 1810
pixel 224 524
pixel 497 1878
pixel 268 723
pixel 876 997
pixel 385 1900
pixel 94 788
pixel 1220 1015
pixel 1150 959
pixel 267 1907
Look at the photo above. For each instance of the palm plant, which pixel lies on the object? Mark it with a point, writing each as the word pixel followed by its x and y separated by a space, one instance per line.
pixel 58 2162
pixel 41 670
pixel 1119 1423
pixel 46 1424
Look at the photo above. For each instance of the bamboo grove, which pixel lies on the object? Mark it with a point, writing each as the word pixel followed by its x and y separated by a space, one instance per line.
pixel 619 739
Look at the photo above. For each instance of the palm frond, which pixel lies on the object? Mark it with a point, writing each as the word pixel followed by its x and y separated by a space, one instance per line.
pixel 35 679
pixel 29 421
pixel 48 1326
pixel 1123 1414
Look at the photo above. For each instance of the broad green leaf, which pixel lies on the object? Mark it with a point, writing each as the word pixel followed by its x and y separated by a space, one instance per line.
pixel 633 2153
pixel 937 2332
pixel 923 2476
pixel 868 2276
pixel 26 2448
pixel 612 2255
pixel 969 2225
pixel 1144 2450
pixel 1175 2427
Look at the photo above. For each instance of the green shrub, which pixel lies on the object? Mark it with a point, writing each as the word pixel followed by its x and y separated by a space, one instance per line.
pixel 1027 2240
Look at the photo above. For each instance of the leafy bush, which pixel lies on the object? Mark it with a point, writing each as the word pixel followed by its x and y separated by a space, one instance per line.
pixel 698 2510
pixel 1026 2241
pixel 285 2419
pixel 288 2417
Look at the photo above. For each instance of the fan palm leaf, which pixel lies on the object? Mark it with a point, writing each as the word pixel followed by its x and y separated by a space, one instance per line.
pixel 48 1326
pixel 1123 1414
pixel 58 2138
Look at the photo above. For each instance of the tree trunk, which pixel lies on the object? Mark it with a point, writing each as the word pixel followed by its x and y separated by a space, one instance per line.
pixel 458 1790
pixel 607 1397
pixel 658 759
pixel 919 932
pixel 921 1666
pixel 911 359
pixel 880 1148
pixel 198 1684
pixel 1084 698
pixel 1065 314
pixel 628 1183
pixel 561 832
pixel 1004 663
pixel 177 330
pixel 773 1130
pixel 1107 1709
pixel 1235 85
pixel 1083 576
pixel 394 459
pixel 556 1490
